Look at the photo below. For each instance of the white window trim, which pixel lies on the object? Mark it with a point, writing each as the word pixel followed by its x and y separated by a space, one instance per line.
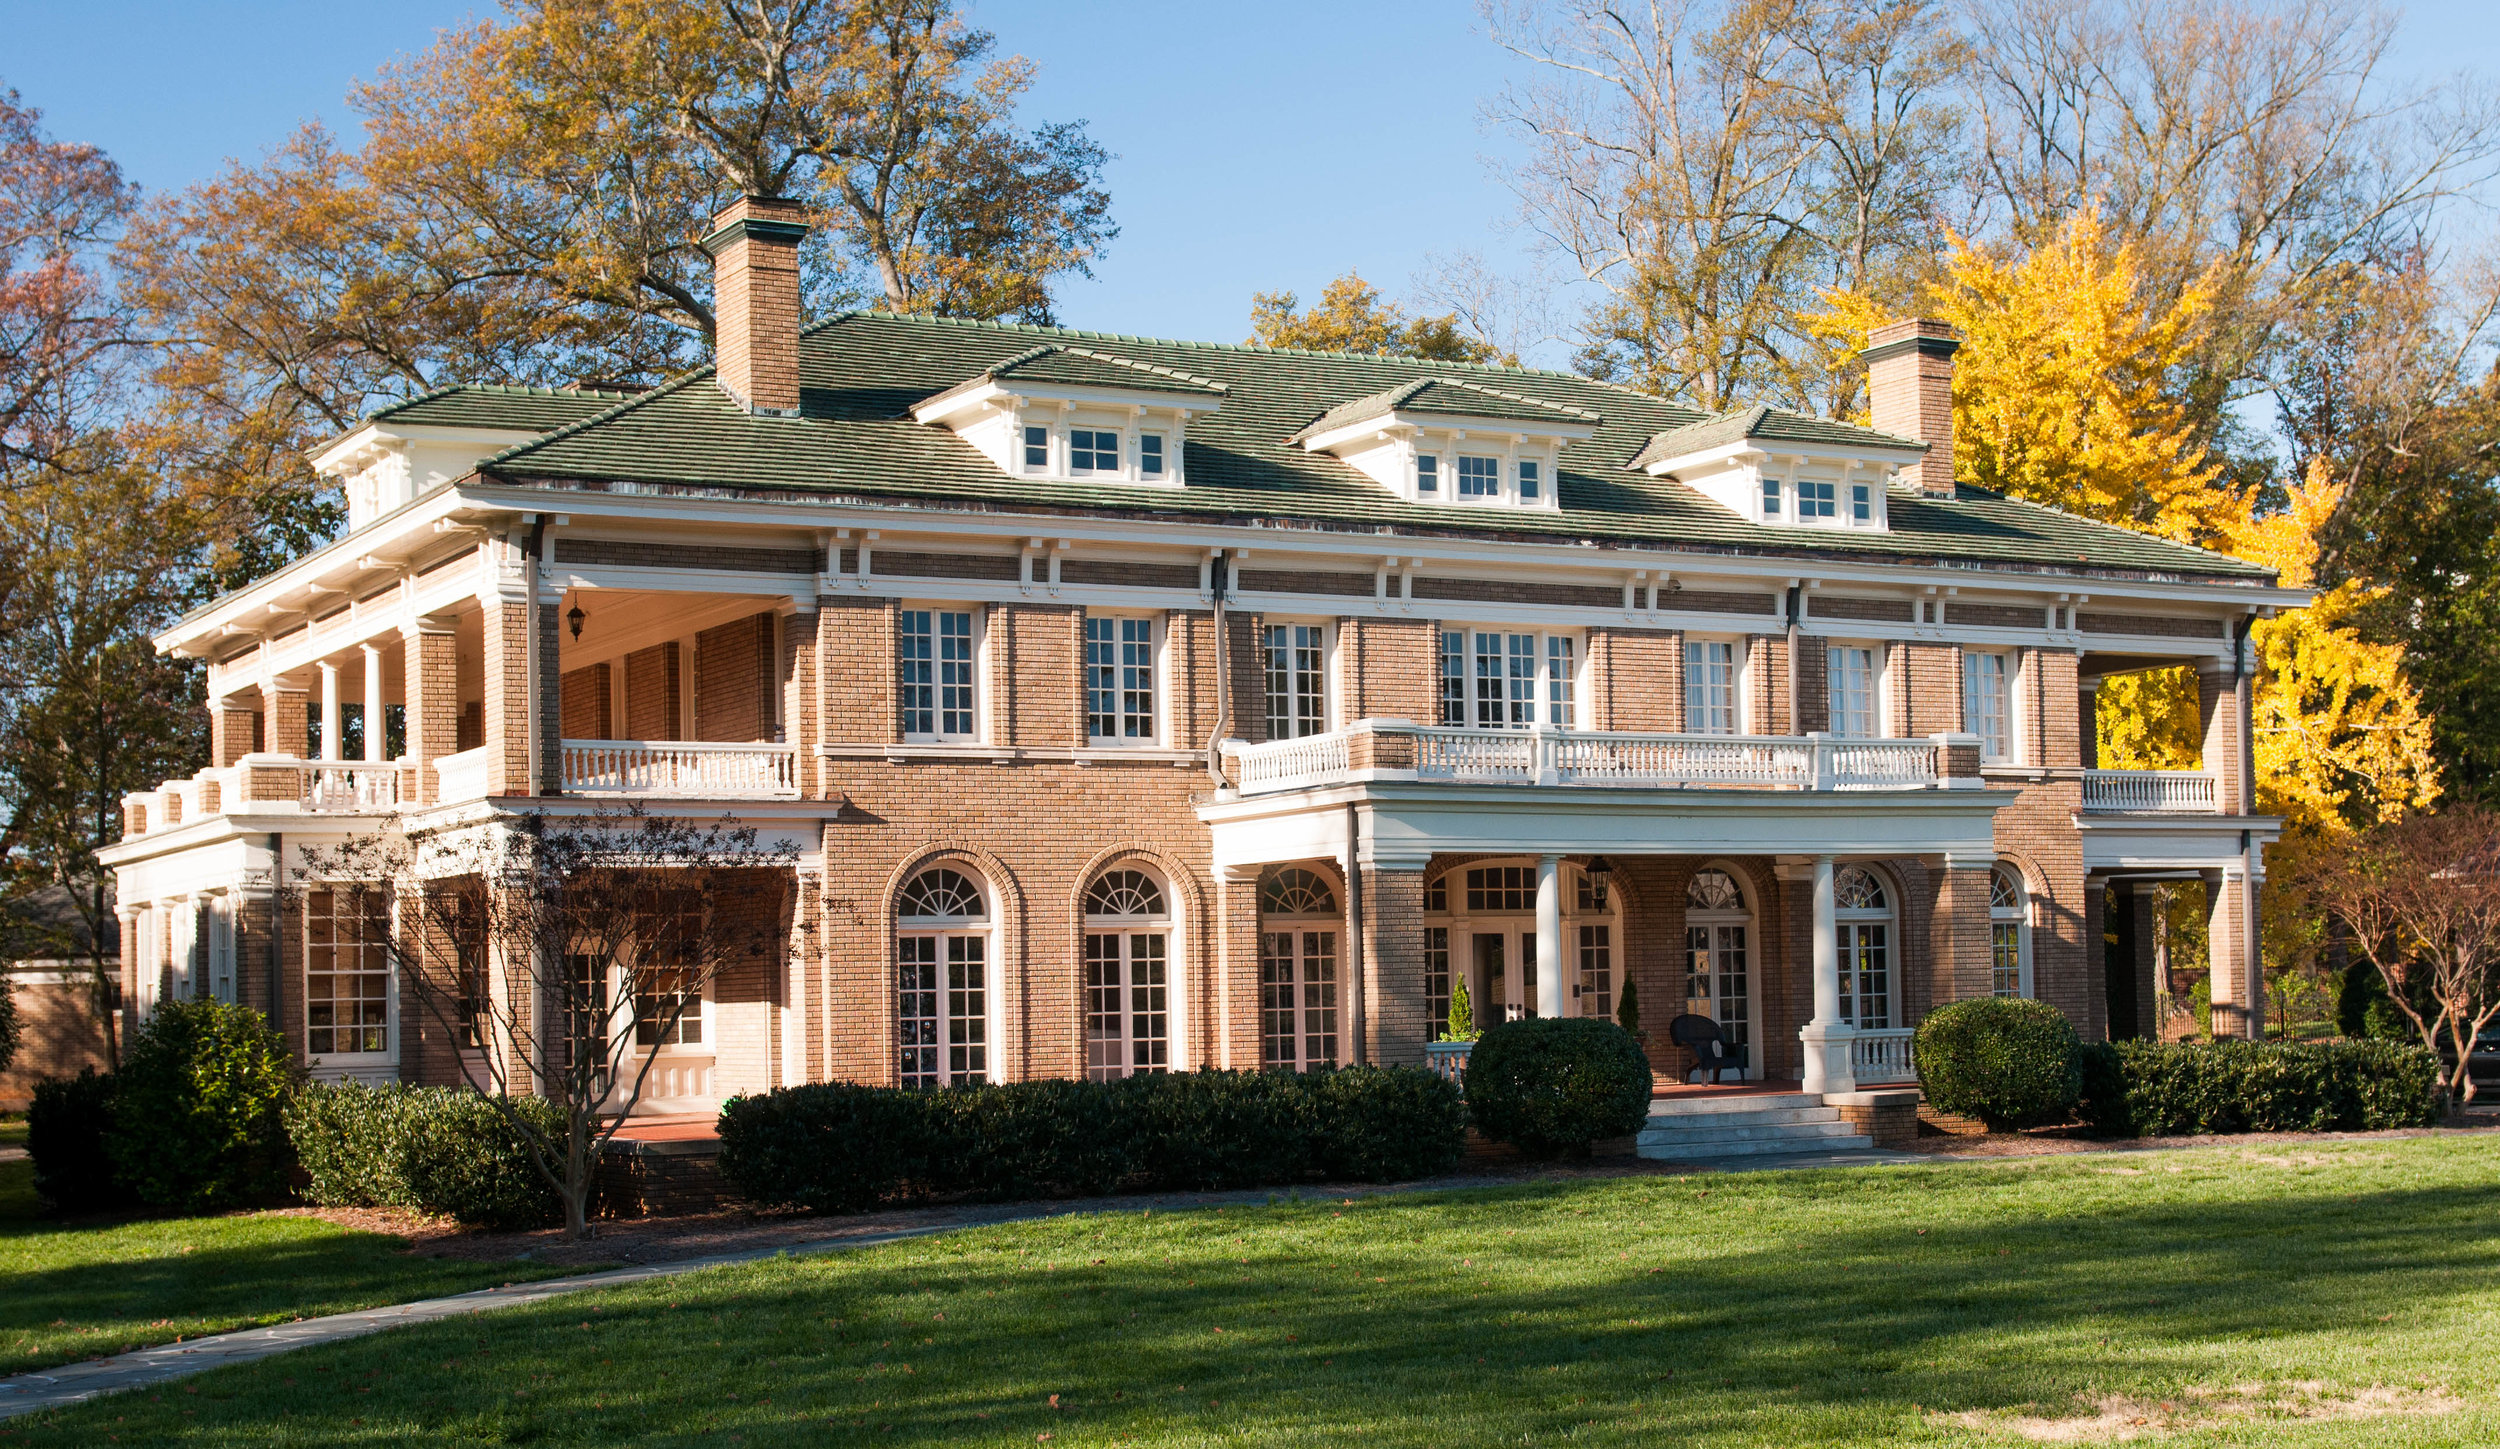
pixel 1332 683
pixel 1576 686
pixel 1173 923
pixel 993 972
pixel 2010 702
pixel 1740 680
pixel 980 673
pixel 1879 711
pixel 389 1055
pixel 2019 917
pixel 1159 654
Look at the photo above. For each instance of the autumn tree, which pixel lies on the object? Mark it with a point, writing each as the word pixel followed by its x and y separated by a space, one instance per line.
pixel 2421 899
pixel 1351 316
pixel 60 322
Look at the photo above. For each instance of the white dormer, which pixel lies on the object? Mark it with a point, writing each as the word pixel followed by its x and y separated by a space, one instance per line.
pixel 382 465
pixel 1453 442
pixel 1785 469
pixel 1072 414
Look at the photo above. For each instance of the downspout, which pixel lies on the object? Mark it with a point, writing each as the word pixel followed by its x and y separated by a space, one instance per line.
pixel 2252 935
pixel 1796 607
pixel 1223 673
pixel 529 648
pixel 1354 930
pixel 277 931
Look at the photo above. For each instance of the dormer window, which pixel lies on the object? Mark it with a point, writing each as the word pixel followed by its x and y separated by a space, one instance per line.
pixel 1150 455
pixel 1479 477
pixel 1427 473
pixel 1528 478
pixel 1770 496
pixel 1037 450
pixel 1452 440
pixel 1784 468
pixel 1814 499
pixel 1092 450
pixel 1861 503
pixel 1056 411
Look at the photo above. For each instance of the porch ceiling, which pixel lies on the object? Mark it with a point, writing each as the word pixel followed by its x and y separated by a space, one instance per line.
pixel 1403 824
pixel 2128 843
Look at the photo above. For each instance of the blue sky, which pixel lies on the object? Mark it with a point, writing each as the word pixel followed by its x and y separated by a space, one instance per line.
pixel 1263 145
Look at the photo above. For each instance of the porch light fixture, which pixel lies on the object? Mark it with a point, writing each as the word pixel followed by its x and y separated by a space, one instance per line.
pixel 1599 868
pixel 574 617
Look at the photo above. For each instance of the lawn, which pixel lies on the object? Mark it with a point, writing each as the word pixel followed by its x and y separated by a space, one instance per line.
pixel 84 1289
pixel 2307 1294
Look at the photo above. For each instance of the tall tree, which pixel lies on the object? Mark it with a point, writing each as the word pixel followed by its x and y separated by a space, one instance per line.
pixel 1351 316
pixel 59 320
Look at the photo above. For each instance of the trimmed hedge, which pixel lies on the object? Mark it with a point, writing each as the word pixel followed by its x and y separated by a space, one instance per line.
pixel 2175 1089
pixel 2008 1062
pixel 836 1147
pixel 66 1127
pixel 436 1149
pixel 1551 1085
pixel 196 1108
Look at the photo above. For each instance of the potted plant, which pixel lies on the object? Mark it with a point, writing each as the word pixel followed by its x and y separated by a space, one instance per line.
pixel 1447 1055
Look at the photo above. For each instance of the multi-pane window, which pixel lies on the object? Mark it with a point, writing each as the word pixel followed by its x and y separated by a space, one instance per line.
pixel 1770 496
pixel 1093 450
pixel 1479 477
pixel 1531 480
pixel 941 980
pixel 1149 455
pixel 668 991
pixel 1710 686
pixel 934 650
pixel 1297 971
pixel 1595 985
pixel 347 978
pixel 218 923
pixel 1987 699
pixel 1850 677
pixel 2008 922
pixel 1715 983
pixel 1864 916
pixel 1127 976
pixel 1120 678
pixel 465 922
pixel 1297 702
pixel 1501 888
pixel 1861 503
pixel 1816 499
pixel 1427 473
pixel 1037 449
pixel 1437 977
pixel 1494 679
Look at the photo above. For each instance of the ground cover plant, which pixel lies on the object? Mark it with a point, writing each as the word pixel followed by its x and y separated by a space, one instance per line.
pixel 2339 1293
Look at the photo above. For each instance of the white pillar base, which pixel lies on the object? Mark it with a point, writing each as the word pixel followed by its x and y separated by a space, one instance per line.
pixel 1828 1068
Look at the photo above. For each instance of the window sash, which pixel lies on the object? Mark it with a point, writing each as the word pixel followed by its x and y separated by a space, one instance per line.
pixel 942 1007
pixel 1297 999
pixel 1093 450
pixel 1816 499
pixel 2005 941
pixel 1149 455
pixel 1494 679
pixel 1595 985
pixel 1427 473
pixel 1709 687
pixel 1437 978
pixel 1127 1003
pixel 1770 497
pixel 936 675
pixel 1851 678
pixel 1297 702
pixel 347 982
pixel 1866 974
pixel 1531 480
pixel 1119 679
pixel 1479 477
pixel 1714 976
pixel 1985 700
pixel 1037 449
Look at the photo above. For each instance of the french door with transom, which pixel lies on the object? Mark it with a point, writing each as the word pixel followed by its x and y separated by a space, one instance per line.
pixel 1127 1003
pixel 942 1012
pixel 1298 998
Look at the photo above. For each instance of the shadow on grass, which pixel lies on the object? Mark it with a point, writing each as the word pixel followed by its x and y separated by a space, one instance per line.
pixel 1813 1309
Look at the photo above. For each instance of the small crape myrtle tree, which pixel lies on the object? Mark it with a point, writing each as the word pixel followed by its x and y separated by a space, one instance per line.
pixel 2421 898
pixel 558 951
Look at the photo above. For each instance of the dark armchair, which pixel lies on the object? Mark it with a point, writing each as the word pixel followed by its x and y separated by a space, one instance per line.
pixel 1709 1045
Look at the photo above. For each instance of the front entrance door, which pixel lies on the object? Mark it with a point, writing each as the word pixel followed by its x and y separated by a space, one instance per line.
pixel 1506 998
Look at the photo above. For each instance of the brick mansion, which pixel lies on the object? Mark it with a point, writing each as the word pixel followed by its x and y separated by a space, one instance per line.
pixel 1137 705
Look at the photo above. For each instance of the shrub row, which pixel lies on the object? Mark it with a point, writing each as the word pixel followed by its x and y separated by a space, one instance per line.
pixel 2169 1089
pixel 436 1149
pixel 190 1122
pixel 835 1147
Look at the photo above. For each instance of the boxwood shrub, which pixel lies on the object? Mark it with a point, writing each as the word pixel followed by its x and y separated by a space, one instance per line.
pixel 66 1126
pixel 1553 1085
pixel 197 1102
pixel 2006 1061
pixel 2175 1089
pixel 838 1147
pixel 436 1149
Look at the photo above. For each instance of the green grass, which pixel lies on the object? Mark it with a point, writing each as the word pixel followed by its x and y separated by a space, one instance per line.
pixel 83 1289
pixel 1919 1305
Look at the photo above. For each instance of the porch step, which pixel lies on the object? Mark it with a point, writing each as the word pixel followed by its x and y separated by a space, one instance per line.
pixel 1747 1125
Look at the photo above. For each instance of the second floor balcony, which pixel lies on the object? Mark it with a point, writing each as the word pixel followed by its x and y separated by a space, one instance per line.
pixel 1401 750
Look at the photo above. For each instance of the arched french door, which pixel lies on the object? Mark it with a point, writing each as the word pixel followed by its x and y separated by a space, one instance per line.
pixel 1718 958
pixel 942 979
pixel 1863 913
pixel 1128 975
pixel 1298 938
pixel 1480 928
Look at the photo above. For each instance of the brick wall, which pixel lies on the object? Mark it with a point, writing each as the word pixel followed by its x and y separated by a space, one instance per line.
pixel 1814 679
pixel 1935 688
pixel 733 666
pixel 586 703
pixel 1391 669
pixel 653 706
pixel 1637 678
pixel 60 1031
pixel 507 699
pixel 431 675
pixel 1766 685
pixel 855 670
pixel 1397 1021
pixel 288 715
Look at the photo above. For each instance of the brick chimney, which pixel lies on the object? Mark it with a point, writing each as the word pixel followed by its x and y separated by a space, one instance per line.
pixel 755 301
pixel 1909 382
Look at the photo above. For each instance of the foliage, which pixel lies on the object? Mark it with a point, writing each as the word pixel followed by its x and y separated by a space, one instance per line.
pixel 435 1149
pixel 2006 1061
pixel 1628 1007
pixel 60 324
pixel 839 1147
pixel 67 1125
pixel 615 922
pixel 8 1020
pixel 1351 317
pixel 1461 1025
pixel 2170 1089
pixel 1552 1085
pixel 197 1108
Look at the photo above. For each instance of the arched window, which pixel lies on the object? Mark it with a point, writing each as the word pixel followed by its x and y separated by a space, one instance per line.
pixel 1489 941
pixel 1863 912
pixel 942 956
pixel 1717 928
pixel 1297 971
pixel 2009 933
pixel 1128 936
pixel 1437 957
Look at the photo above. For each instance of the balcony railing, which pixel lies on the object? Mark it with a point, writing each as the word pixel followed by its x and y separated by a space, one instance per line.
pixel 350 787
pixel 684 769
pixel 1387 750
pixel 1882 1054
pixel 2150 792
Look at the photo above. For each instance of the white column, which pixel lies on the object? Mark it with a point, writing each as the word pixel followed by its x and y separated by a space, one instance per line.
pixel 373 703
pixel 1550 996
pixel 1826 1039
pixel 329 710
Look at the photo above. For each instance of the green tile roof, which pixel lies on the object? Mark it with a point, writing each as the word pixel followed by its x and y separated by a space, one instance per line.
pixel 489 405
pixel 861 374
pixel 1764 424
pixel 1086 367
pixel 1449 397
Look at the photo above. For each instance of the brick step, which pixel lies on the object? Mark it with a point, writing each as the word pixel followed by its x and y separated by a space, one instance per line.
pixel 1757 1147
pixel 1757 1132
pixel 1714 1106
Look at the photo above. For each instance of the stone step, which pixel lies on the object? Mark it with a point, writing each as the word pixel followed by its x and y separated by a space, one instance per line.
pixel 1763 1132
pixel 1763 1147
pixel 1751 1117
pixel 1746 1102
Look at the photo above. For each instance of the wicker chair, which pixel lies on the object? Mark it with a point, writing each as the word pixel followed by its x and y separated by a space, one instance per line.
pixel 1709 1045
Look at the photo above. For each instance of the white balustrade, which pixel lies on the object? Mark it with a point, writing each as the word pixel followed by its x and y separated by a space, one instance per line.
pixel 1293 764
pixel 349 787
pixel 684 768
pixel 1454 754
pixel 1591 757
pixel 1882 1054
pixel 1448 1061
pixel 461 776
pixel 2150 792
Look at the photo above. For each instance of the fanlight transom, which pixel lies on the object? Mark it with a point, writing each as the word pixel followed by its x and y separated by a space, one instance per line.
pixel 1297 892
pixel 941 894
pixel 1858 889
pixel 1128 894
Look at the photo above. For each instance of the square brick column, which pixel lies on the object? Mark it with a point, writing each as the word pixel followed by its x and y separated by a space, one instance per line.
pixel 288 715
pixel 233 729
pixel 2152 991
pixel 1964 960
pixel 507 695
pixel 2221 708
pixel 432 674
pixel 801 724
pixel 1396 1019
pixel 1233 1016
pixel 2237 980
